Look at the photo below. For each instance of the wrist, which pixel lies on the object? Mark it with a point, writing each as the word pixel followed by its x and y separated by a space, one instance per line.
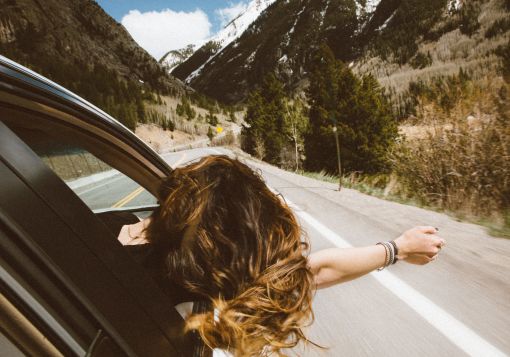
pixel 402 249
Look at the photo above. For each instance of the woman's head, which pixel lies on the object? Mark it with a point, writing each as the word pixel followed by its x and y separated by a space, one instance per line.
pixel 235 243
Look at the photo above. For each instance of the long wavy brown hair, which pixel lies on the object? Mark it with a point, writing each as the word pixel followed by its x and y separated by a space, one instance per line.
pixel 236 244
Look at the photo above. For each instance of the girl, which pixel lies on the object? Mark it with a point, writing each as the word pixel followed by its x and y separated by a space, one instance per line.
pixel 222 237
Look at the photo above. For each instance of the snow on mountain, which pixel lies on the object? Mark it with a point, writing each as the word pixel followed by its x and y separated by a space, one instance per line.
pixel 238 25
pixel 455 5
pixel 173 58
pixel 234 29
pixel 366 7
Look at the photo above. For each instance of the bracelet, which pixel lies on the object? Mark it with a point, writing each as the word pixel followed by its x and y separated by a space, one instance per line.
pixel 396 250
pixel 391 251
pixel 386 259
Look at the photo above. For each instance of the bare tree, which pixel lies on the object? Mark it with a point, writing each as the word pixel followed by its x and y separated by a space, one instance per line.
pixel 296 124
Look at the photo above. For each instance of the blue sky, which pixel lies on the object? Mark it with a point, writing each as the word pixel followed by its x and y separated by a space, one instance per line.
pixel 160 26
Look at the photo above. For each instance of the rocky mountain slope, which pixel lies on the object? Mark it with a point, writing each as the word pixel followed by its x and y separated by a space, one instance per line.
pixel 49 34
pixel 232 31
pixel 173 58
pixel 407 34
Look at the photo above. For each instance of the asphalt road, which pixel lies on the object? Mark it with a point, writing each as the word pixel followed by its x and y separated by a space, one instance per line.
pixel 117 191
pixel 456 306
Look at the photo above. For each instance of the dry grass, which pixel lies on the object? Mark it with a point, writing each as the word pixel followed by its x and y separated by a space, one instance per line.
pixel 229 139
pixel 449 53
pixel 461 168
pixel 162 140
pixel 197 126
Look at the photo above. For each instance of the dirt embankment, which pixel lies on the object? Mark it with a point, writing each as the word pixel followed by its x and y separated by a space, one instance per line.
pixel 164 140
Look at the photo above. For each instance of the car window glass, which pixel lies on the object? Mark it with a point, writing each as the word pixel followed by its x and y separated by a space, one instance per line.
pixel 99 185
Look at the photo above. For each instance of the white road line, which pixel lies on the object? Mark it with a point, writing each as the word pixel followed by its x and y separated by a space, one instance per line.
pixel 216 152
pixel 176 164
pixel 454 330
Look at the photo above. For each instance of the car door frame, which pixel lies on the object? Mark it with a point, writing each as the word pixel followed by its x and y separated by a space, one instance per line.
pixel 148 309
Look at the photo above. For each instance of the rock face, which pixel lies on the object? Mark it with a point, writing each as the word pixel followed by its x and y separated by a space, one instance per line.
pixel 77 32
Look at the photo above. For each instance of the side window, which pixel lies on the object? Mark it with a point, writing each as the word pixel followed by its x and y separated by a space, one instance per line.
pixel 98 184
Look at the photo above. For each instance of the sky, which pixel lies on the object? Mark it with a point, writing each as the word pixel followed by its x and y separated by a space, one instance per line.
pixel 163 25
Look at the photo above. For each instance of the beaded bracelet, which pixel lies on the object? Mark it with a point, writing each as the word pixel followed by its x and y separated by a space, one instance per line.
pixel 391 254
pixel 396 251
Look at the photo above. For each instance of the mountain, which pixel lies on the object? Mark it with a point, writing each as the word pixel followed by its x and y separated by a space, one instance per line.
pixel 221 40
pixel 173 58
pixel 79 33
pixel 281 39
pixel 398 35
pixel 77 45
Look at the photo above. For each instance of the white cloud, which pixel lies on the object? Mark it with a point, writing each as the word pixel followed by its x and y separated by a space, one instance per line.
pixel 160 32
pixel 227 14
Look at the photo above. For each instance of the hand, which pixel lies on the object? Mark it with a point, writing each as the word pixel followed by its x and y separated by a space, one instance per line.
pixel 133 234
pixel 419 245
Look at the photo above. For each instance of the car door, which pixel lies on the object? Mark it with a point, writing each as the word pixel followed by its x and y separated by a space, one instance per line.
pixel 61 161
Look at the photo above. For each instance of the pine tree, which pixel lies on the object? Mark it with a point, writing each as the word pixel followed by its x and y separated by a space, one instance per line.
pixel 252 132
pixel 322 96
pixel 360 111
pixel 265 119
pixel 210 133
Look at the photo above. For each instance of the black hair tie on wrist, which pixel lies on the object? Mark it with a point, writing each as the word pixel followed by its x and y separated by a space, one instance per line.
pixel 396 251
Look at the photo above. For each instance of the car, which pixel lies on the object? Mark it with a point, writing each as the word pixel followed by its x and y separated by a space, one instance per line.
pixel 68 287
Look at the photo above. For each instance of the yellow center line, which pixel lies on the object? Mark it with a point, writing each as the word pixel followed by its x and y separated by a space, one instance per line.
pixel 140 189
pixel 129 197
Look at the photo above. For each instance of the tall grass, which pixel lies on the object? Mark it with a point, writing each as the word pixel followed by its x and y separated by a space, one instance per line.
pixel 463 169
pixel 458 168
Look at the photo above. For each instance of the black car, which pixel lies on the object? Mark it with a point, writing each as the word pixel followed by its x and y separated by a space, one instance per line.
pixel 68 286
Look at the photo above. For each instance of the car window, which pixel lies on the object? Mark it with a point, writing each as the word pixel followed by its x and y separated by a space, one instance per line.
pixel 99 185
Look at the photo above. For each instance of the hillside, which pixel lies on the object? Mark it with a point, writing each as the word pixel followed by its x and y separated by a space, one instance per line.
pixel 76 44
pixel 389 34
pixel 76 32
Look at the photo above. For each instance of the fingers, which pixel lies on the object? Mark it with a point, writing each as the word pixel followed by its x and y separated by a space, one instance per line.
pixel 437 241
pixel 430 233
pixel 427 229
pixel 420 259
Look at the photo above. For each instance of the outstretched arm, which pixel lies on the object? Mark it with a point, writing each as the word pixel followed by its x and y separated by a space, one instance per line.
pixel 419 245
